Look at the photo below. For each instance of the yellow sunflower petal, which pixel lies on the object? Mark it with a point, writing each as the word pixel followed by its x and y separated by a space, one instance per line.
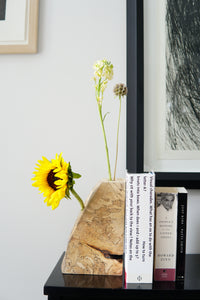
pixel 51 178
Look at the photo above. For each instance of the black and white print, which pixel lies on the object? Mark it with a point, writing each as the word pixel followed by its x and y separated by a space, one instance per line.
pixel 183 74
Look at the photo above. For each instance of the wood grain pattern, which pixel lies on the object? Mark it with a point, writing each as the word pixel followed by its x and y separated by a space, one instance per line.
pixel 96 242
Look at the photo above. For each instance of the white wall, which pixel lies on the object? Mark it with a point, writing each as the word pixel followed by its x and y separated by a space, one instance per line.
pixel 48 106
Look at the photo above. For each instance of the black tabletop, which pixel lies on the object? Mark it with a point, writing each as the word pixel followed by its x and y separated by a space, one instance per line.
pixel 67 286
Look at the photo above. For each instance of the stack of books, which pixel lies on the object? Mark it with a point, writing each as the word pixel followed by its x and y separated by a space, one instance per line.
pixel 155 231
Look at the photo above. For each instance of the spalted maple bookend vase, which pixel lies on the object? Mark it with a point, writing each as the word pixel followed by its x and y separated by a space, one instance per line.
pixel 96 242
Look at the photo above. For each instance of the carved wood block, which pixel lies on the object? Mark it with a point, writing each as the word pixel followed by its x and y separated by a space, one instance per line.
pixel 96 242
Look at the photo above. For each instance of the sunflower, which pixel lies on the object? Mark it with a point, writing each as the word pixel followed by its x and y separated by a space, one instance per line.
pixel 55 180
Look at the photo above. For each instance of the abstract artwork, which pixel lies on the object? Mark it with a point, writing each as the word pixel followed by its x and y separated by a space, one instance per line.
pixel 183 74
pixel 163 102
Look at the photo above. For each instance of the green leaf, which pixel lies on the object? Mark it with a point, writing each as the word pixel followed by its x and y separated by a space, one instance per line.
pixel 76 175
pixel 105 115
pixel 67 195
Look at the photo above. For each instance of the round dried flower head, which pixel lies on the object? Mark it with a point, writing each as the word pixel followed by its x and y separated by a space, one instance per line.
pixel 120 90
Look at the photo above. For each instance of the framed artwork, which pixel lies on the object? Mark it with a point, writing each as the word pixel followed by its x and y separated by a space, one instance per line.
pixel 18 26
pixel 163 79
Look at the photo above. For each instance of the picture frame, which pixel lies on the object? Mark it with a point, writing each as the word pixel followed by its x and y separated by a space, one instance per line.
pixel 19 30
pixel 138 142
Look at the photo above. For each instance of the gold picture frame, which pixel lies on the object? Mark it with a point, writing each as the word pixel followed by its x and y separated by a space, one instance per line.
pixel 27 44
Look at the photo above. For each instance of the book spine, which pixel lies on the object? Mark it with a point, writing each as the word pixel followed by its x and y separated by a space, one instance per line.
pixel 128 199
pixel 128 239
pixel 181 236
pixel 165 237
pixel 139 228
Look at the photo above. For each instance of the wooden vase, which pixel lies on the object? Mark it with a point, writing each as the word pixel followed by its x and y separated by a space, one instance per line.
pixel 96 242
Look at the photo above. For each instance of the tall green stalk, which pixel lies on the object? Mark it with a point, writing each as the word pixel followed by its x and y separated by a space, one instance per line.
pixel 99 97
pixel 120 104
pixel 105 140
pixel 120 90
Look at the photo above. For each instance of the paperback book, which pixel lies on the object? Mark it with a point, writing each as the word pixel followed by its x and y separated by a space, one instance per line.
pixel 170 233
pixel 139 228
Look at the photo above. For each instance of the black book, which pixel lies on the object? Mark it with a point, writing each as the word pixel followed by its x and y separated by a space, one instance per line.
pixel 170 233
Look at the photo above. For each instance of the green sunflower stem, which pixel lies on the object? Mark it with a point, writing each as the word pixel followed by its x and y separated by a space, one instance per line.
pixel 117 138
pixel 105 140
pixel 78 198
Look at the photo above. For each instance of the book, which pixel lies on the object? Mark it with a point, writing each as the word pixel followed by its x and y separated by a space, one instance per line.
pixel 139 228
pixel 170 233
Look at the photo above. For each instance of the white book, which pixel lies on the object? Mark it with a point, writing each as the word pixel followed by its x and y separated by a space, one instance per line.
pixel 139 228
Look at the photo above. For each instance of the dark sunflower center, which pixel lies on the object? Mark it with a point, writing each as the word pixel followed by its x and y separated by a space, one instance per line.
pixel 51 178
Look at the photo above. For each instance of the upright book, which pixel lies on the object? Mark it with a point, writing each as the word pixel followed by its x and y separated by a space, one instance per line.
pixel 170 233
pixel 139 228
